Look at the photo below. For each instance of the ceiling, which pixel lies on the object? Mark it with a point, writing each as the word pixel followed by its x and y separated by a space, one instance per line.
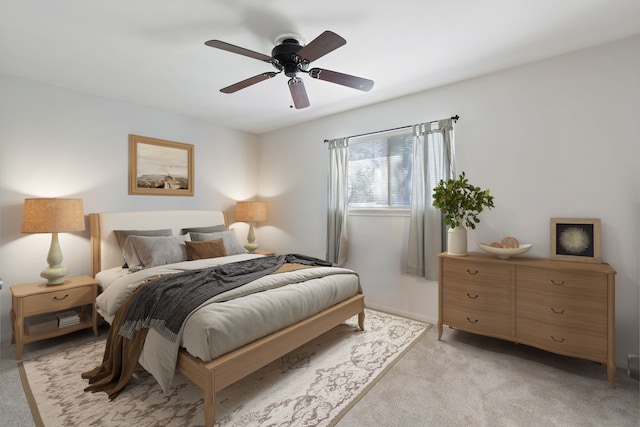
pixel 151 53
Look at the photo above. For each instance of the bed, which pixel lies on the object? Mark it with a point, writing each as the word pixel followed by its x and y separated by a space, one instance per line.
pixel 214 368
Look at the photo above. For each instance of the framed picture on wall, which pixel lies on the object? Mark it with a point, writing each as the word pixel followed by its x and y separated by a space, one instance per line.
pixel 160 168
pixel 575 239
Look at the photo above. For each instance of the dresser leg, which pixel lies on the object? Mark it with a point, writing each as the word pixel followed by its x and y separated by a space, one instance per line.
pixel 611 371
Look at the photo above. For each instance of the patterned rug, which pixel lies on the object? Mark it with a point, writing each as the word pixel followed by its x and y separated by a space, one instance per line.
pixel 314 385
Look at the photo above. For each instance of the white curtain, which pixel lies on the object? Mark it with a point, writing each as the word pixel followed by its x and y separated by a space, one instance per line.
pixel 338 202
pixel 433 160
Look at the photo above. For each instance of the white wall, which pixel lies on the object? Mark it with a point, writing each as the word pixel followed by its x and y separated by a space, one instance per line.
pixel 556 138
pixel 58 143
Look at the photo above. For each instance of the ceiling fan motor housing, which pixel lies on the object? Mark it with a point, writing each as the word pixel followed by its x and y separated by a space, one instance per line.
pixel 286 58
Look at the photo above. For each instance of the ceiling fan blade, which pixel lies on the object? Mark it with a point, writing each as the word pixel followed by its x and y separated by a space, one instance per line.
pixel 321 45
pixel 341 79
pixel 298 93
pixel 248 82
pixel 239 50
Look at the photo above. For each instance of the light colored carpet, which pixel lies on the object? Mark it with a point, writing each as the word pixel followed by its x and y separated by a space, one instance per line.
pixel 313 385
pixel 471 380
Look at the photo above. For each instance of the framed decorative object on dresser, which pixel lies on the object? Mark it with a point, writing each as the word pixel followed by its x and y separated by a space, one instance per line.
pixel 575 239
pixel 159 167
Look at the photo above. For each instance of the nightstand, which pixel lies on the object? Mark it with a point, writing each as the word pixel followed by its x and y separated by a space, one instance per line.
pixel 38 299
pixel 267 253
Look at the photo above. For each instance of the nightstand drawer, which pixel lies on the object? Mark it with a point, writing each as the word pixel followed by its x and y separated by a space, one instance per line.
pixel 57 301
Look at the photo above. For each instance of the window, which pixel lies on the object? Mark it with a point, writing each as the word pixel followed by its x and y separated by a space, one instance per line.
pixel 380 170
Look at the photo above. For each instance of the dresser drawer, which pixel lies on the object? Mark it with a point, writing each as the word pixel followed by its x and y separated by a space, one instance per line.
pixel 63 299
pixel 561 283
pixel 589 313
pixel 569 340
pixel 464 272
pixel 479 321
pixel 490 297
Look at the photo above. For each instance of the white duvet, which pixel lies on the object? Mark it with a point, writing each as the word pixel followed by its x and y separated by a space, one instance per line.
pixel 231 319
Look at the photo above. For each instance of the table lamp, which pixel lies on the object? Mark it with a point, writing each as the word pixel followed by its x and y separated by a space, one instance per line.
pixel 251 212
pixel 53 216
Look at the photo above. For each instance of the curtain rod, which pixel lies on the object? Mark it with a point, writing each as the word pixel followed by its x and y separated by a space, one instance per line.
pixel 454 118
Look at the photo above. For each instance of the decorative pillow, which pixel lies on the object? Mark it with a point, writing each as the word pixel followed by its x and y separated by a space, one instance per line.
pixel 121 237
pixel 149 251
pixel 206 249
pixel 231 242
pixel 210 229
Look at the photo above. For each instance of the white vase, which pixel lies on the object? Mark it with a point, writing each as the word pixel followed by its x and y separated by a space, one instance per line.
pixel 457 241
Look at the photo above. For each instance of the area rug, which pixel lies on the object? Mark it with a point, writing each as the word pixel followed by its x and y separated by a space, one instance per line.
pixel 314 385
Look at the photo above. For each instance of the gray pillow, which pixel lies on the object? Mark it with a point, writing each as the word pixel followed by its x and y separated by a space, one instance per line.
pixel 231 243
pixel 121 237
pixel 210 229
pixel 149 251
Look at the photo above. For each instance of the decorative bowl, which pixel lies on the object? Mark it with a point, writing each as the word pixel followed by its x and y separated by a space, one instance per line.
pixel 505 252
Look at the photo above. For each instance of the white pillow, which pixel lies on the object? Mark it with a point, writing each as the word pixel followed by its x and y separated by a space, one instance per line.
pixel 231 242
pixel 149 251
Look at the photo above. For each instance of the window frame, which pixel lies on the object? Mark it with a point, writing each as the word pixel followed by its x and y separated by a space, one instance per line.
pixel 387 210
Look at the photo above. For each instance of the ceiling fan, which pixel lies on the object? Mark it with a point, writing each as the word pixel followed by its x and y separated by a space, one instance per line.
pixel 291 57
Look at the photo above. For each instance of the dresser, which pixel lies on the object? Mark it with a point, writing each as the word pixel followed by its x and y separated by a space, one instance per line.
pixel 563 307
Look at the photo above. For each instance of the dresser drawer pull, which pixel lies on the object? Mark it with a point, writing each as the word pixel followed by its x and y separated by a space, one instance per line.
pixel 60 299
pixel 557 283
pixel 472 296
pixel 561 311
pixel 473 273
pixel 557 339
pixel 472 321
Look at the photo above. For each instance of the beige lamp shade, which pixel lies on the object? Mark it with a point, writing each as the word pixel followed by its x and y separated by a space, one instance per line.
pixel 251 211
pixel 52 215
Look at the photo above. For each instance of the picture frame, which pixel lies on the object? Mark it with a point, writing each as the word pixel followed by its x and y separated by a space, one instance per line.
pixel 576 239
pixel 158 167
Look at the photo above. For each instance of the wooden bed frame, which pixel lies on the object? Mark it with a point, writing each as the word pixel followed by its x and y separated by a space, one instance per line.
pixel 219 373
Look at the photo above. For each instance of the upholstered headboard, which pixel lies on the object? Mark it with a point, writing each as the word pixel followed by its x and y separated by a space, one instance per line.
pixel 105 251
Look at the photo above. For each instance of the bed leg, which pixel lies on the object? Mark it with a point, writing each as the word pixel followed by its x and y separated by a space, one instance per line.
pixel 361 320
pixel 209 403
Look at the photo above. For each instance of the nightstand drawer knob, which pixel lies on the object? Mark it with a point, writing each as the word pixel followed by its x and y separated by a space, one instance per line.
pixel 472 296
pixel 557 283
pixel 557 339
pixel 473 273
pixel 561 311
pixel 60 299
pixel 472 321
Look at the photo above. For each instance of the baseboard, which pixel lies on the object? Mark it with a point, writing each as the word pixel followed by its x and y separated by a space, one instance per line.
pixel 403 313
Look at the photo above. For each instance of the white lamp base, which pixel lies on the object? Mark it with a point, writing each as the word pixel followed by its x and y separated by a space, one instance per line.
pixel 251 245
pixel 56 271
pixel 54 276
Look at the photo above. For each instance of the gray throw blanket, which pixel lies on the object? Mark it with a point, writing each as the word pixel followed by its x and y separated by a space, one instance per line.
pixel 164 303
